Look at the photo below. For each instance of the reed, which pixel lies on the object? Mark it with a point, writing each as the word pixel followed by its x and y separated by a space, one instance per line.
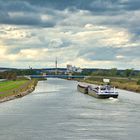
pixel 121 83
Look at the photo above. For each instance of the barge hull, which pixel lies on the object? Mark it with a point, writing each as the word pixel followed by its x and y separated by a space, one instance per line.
pixel 82 89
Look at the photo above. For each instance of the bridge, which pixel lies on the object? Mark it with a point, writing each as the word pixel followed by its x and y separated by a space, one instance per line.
pixel 58 76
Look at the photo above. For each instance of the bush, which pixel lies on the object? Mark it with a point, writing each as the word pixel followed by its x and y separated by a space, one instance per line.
pixel 138 82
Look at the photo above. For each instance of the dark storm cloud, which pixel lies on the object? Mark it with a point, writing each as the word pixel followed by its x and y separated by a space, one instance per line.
pixel 91 5
pixel 106 53
pixel 102 53
pixel 23 13
pixel 131 5
pixel 131 52
pixel 33 9
pixel 20 20
pixel 16 6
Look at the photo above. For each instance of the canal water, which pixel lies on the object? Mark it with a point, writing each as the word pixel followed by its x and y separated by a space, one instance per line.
pixel 57 111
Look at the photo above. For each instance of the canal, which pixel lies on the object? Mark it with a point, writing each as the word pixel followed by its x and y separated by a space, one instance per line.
pixel 57 111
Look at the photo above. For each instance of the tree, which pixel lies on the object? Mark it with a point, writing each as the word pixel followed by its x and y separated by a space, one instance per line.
pixel 128 72
pixel 9 75
pixel 113 71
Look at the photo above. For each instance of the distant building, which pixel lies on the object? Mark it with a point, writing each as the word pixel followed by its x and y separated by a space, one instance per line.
pixel 71 69
pixel 79 70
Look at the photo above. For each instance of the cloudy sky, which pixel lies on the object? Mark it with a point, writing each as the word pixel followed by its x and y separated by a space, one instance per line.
pixel 85 33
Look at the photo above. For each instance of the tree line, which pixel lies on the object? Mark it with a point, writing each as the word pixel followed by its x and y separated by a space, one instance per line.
pixel 112 72
pixel 13 74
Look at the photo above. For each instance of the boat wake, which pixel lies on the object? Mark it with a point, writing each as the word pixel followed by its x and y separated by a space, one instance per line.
pixel 113 99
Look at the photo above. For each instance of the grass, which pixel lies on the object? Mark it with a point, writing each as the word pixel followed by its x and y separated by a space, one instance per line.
pixel 11 85
pixel 9 88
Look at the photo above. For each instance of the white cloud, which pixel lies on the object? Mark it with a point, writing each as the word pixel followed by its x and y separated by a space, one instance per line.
pixel 54 43
pixel 120 57
pixel 116 37
pixel 2 50
pixel 4 56
pixel 45 17
pixel 77 31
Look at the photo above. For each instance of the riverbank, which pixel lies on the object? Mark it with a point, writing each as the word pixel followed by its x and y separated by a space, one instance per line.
pixel 121 83
pixel 15 89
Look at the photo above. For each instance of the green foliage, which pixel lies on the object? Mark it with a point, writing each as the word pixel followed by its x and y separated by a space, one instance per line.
pixel 26 72
pixel 9 85
pixel 9 75
pixel 86 72
pixel 128 72
pixel 113 72
pixel 100 73
pixel 16 88
pixel 138 82
pixel 12 75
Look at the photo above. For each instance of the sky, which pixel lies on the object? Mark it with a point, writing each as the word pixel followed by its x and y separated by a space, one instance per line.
pixel 84 33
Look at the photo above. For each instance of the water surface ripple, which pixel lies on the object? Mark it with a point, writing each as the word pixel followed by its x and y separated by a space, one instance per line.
pixel 57 111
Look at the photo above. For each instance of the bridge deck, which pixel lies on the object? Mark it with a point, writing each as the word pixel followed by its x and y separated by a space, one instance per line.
pixel 57 76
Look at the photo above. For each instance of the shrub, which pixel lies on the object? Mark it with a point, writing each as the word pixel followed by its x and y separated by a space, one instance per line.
pixel 138 82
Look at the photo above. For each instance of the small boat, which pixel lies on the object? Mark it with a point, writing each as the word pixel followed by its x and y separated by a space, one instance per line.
pixel 82 88
pixel 102 92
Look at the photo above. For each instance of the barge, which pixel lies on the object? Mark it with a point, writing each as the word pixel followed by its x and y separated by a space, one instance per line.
pixel 82 88
pixel 101 92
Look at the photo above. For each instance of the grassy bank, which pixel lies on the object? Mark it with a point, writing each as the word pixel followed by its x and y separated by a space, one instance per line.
pixel 121 83
pixel 40 79
pixel 10 85
pixel 16 88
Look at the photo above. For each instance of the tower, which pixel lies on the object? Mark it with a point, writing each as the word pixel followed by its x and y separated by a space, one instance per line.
pixel 56 66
